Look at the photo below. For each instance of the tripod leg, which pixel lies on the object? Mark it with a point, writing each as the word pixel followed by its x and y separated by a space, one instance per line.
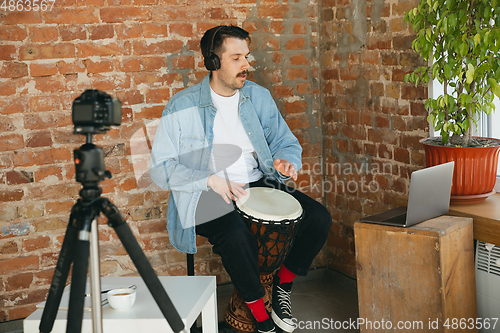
pixel 78 283
pixel 95 279
pixel 149 276
pixel 59 279
pixel 147 273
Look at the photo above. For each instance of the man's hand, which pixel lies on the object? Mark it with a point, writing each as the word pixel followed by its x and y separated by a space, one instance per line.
pixel 227 189
pixel 285 168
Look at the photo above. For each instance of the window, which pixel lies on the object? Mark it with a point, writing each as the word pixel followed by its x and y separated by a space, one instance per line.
pixel 487 127
pixel 494 132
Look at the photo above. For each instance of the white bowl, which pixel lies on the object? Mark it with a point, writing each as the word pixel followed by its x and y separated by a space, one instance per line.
pixel 122 298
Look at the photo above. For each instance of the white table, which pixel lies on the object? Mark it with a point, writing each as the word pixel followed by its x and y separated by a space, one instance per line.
pixel 191 295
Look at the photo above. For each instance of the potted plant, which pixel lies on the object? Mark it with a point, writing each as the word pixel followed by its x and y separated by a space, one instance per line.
pixel 460 41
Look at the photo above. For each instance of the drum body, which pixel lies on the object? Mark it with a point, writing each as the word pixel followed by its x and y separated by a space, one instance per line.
pixel 273 217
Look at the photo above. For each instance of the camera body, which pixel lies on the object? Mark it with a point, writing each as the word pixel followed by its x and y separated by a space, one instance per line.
pixel 95 111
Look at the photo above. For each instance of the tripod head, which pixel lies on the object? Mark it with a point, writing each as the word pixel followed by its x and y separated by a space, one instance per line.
pixel 93 113
pixel 89 166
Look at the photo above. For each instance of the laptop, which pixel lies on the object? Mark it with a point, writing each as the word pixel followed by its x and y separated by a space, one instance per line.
pixel 429 197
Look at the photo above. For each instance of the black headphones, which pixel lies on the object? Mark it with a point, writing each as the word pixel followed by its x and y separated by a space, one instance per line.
pixel 212 63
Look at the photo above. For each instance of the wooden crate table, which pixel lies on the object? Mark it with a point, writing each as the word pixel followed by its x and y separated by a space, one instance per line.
pixel 419 278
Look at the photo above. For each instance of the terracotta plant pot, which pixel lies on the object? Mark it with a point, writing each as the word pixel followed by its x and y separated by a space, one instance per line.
pixel 475 170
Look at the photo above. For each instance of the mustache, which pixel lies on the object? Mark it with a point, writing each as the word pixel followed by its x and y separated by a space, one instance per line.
pixel 245 72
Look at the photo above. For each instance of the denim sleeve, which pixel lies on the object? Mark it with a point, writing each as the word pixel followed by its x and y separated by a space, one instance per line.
pixel 171 166
pixel 281 141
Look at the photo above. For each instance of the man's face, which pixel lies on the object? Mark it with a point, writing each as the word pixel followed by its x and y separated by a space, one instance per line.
pixel 234 67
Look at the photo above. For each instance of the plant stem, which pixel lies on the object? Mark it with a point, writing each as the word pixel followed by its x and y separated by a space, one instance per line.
pixel 445 87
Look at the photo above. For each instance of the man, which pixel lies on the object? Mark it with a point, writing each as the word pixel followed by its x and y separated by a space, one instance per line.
pixel 215 139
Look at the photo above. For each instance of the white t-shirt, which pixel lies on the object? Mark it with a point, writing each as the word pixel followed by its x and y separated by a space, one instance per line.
pixel 232 151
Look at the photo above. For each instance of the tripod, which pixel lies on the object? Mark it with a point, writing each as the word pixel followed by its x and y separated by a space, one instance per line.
pixel 81 240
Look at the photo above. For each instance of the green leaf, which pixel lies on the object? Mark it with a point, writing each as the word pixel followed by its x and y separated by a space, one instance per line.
pixel 462 16
pixel 474 121
pixel 441 117
pixel 447 71
pixel 441 103
pixel 463 98
pixel 463 49
pixel 496 90
pixel 426 49
pixel 445 136
pixel 477 39
pixel 435 68
pixel 446 99
pixel 495 87
pixel 427 103
pixel 453 20
pixel 471 68
pixel 486 109
pixel 466 124
pixel 487 14
pixel 428 34
pixel 430 119
pixel 469 77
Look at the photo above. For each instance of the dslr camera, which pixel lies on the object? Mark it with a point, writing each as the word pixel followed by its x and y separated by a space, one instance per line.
pixel 95 111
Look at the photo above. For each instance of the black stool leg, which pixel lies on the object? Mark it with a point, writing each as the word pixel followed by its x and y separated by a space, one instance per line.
pixel 190 271
pixel 190 264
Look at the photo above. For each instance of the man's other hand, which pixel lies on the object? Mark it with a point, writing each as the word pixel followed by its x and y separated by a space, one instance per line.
pixel 285 168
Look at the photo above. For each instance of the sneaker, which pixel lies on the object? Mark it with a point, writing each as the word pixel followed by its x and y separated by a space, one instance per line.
pixel 266 326
pixel 282 305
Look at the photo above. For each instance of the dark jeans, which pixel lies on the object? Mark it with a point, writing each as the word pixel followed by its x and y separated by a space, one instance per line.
pixel 237 246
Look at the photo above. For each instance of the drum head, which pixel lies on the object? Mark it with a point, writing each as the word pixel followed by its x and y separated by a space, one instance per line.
pixel 269 204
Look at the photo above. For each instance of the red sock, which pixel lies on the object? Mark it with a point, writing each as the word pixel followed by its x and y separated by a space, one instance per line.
pixel 285 275
pixel 258 310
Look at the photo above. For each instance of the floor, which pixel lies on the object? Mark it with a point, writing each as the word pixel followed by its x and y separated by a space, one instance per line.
pixel 323 300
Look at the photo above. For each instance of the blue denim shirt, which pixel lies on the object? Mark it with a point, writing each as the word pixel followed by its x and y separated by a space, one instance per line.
pixel 183 143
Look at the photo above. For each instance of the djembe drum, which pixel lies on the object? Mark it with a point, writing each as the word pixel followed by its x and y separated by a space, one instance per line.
pixel 273 217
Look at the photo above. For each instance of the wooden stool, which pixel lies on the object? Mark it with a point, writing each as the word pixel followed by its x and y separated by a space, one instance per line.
pixel 419 277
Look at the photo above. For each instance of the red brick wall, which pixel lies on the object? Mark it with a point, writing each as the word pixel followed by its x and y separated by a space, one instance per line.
pixel 142 51
pixel 371 119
